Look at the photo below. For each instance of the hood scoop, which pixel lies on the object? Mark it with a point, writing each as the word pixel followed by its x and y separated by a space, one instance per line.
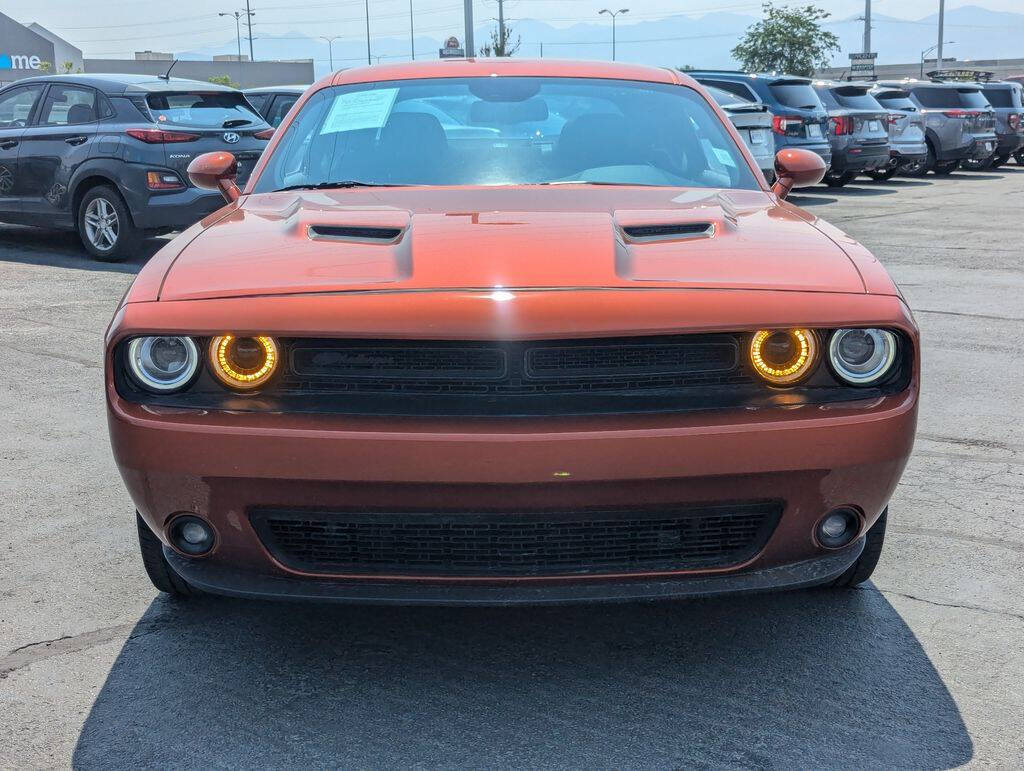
pixel 668 232
pixel 358 234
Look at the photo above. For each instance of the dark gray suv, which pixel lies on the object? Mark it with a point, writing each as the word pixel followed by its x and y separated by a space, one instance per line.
pixel 858 130
pixel 106 155
pixel 1007 100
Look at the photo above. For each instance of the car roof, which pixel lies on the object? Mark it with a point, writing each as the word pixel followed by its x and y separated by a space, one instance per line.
pixel 842 84
pixel 767 77
pixel 909 83
pixel 505 66
pixel 116 83
pixel 275 90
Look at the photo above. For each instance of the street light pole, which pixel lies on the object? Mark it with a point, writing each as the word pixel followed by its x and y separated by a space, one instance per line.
pixel 238 30
pixel 369 60
pixel 613 14
pixel 412 34
pixel 867 26
pixel 927 51
pixel 330 48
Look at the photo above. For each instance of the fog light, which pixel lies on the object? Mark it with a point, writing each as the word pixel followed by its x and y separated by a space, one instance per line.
pixel 837 528
pixel 191 535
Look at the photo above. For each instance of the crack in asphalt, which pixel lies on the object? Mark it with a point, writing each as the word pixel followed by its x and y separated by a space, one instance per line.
pixel 958 606
pixel 969 315
pixel 32 652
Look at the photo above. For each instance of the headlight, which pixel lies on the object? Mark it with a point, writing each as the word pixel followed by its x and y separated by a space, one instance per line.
pixel 162 364
pixel 783 357
pixel 862 356
pixel 243 363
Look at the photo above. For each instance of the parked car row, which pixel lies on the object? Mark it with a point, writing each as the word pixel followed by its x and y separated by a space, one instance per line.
pixel 106 155
pixel 881 128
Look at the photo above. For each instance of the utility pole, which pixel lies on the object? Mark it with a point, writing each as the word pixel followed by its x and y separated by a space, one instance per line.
pixel 541 49
pixel 238 30
pixel 501 28
pixel 369 60
pixel 468 7
pixel 867 26
pixel 613 14
pixel 942 19
pixel 248 22
pixel 412 34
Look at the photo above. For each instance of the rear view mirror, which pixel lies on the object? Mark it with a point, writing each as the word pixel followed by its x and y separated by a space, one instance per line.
pixel 216 171
pixel 796 168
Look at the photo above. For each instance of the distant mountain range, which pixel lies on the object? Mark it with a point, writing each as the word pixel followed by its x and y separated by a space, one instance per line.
pixel 700 41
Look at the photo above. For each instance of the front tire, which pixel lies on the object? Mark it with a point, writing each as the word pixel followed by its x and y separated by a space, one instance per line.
pixel 861 570
pixel 105 225
pixel 999 160
pixel 157 567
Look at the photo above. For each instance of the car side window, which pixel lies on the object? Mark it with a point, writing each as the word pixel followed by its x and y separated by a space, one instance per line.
pixel 68 106
pixel 258 101
pixel 16 105
pixel 282 104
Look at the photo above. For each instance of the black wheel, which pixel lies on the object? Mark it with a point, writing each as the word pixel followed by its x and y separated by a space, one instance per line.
pixel 1019 157
pixel 157 568
pixel 999 160
pixel 105 225
pixel 917 169
pixel 945 168
pixel 861 570
pixel 838 180
pixel 975 164
pixel 880 175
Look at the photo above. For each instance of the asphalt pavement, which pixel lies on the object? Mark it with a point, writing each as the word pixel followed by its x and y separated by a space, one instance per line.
pixel 922 668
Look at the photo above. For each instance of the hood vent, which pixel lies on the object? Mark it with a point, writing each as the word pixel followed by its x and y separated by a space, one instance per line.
pixel 673 232
pixel 354 234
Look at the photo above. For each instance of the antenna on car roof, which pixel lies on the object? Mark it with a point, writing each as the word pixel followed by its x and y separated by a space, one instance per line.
pixel 167 75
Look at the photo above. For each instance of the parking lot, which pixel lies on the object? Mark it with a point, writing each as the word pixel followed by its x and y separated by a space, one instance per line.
pixel 921 668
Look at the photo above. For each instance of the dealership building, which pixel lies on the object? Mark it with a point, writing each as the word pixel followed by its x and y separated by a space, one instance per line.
pixel 27 50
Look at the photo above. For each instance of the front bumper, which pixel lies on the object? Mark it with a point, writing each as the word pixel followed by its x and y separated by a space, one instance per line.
pixel 222 580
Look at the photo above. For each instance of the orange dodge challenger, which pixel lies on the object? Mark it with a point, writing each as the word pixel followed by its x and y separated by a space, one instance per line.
pixel 510 331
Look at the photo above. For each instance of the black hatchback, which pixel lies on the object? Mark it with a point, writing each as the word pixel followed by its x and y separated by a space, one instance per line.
pixel 106 155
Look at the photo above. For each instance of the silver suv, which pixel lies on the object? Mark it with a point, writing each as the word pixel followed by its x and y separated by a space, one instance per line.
pixel 908 151
pixel 959 121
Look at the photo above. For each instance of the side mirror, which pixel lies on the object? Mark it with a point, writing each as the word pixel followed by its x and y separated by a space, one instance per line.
pixel 216 171
pixel 796 168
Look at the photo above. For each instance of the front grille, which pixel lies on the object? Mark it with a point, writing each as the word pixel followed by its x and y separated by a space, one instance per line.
pixel 517 544
pixel 626 365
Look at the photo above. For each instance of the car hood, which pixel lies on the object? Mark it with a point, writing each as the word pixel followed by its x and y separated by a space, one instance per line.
pixel 559 237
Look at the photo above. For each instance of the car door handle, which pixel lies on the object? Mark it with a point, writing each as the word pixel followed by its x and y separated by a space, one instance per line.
pixel 8 144
pixel 76 140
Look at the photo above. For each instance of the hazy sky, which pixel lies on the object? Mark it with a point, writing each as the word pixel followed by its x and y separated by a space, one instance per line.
pixel 116 28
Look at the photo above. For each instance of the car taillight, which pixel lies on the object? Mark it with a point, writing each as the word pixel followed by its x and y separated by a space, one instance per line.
pixel 1014 120
pixel 265 134
pixel 163 180
pixel 841 124
pixel 961 113
pixel 783 124
pixel 894 117
pixel 155 136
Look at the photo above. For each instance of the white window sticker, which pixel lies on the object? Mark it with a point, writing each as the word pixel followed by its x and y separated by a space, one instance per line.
pixel 359 110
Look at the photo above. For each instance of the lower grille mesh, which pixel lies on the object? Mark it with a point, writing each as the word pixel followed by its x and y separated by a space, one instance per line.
pixel 516 544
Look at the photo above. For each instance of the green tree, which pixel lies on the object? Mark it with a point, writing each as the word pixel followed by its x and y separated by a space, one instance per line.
pixel 787 40
pixel 67 67
pixel 45 67
pixel 501 47
pixel 223 80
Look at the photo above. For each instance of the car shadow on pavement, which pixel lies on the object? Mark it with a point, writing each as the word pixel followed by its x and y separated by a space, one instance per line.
pixel 804 679
pixel 62 249
pixel 805 200
pixel 855 190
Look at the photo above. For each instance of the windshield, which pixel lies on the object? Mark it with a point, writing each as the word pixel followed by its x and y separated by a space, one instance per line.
pixel 855 99
pixel 211 110
pixel 506 131
pixel 896 100
pixel 970 97
pixel 1000 97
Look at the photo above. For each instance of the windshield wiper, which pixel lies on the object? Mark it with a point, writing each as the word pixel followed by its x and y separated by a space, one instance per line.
pixel 235 122
pixel 340 184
